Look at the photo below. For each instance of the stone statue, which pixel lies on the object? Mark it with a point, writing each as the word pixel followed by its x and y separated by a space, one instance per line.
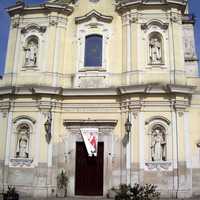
pixel 158 145
pixel 22 144
pixel 31 53
pixel 155 51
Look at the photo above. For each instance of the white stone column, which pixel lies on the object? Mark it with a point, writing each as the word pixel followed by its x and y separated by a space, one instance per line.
pixel 37 137
pixel 50 151
pixel 141 139
pixel 56 56
pixel 128 45
pixel 175 151
pixel 187 141
pixel 174 140
pixel 2 136
pixel 17 51
pixel 8 137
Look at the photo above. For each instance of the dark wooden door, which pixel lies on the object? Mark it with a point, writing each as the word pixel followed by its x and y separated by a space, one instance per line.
pixel 89 171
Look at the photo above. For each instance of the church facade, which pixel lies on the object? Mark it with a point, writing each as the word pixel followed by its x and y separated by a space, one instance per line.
pixel 124 72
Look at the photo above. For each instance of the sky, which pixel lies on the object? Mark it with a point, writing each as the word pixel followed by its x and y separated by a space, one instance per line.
pixel 194 6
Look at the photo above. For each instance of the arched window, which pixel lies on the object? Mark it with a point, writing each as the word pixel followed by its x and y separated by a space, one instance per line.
pixel 156 48
pixel 93 51
pixel 31 51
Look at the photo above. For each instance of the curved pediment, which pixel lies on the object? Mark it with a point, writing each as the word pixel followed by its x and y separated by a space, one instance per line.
pixel 33 26
pixel 24 117
pixel 159 118
pixel 93 14
pixel 124 4
pixel 155 22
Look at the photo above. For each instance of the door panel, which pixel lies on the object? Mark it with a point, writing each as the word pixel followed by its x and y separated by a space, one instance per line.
pixel 89 171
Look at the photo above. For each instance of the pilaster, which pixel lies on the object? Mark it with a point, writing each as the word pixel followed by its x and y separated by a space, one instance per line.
pixel 60 24
pixel 8 138
pixel 177 45
pixel 12 45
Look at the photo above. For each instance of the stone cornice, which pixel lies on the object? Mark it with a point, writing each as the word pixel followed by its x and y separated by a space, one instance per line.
pixel 47 7
pixel 76 92
pixel 91 14
pixel 181 89
pixel 90 92
pixel 95 122
pixel 6 90
pixel 157 89
pixel 123 5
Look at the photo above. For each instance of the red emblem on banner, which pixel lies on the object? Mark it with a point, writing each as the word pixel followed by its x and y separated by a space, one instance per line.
pixel 90 137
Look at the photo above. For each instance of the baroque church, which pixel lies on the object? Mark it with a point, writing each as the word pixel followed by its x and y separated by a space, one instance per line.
pixel 106 91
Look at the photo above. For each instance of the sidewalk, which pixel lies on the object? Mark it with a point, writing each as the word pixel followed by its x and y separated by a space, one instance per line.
pixel 89 198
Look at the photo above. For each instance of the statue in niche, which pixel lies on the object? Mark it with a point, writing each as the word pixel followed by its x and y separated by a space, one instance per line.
pixel 23 142
pixel 158 145
pixel 155 50
pixel 31 53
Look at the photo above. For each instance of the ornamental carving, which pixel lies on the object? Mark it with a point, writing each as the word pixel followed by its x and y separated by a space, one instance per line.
pixel 21 162
pixel 158 166
pixel 40 29
pixel 94 1
pixel 15 23
pixel 93 14
pixel 155 23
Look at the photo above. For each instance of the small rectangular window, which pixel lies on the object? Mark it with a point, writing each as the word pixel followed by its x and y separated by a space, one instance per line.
pixel 93 51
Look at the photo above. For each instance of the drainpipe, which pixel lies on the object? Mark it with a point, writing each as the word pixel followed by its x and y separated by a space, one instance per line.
pixel 178 180
pixel 177 149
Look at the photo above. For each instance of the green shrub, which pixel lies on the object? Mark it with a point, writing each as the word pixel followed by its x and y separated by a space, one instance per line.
pixel 123 193
pixel 137 192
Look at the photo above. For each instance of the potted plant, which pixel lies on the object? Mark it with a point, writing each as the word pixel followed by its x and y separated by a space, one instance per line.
pixel 62 182
pixel 11 194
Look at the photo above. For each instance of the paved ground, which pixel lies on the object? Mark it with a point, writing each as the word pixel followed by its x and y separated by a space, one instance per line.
pixel 86 198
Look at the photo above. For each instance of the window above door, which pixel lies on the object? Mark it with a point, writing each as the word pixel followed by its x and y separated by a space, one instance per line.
pixel 93 34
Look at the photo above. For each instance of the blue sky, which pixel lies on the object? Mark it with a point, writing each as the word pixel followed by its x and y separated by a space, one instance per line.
pixel 4 22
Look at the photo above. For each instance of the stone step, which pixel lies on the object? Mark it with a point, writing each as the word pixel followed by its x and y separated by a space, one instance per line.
pixel 90 198
pixel 66 198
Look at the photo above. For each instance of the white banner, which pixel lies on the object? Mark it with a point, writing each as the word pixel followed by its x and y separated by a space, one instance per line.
pixel 90 137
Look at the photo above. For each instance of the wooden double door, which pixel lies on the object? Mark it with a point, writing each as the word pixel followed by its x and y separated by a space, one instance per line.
pixel 89 171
